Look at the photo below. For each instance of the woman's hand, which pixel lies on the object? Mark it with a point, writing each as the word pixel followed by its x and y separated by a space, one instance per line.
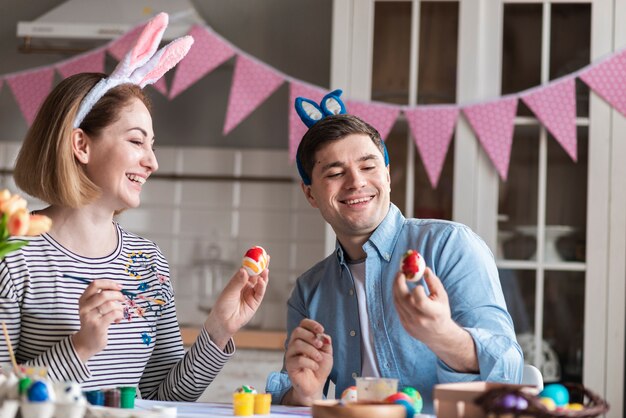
pixel 98 307
pixel 236 305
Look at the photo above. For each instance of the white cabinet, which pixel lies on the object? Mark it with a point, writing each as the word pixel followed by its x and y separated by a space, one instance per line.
pixel 557 227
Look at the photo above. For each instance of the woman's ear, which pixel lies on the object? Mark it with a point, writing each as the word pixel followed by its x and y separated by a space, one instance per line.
pixel 80 145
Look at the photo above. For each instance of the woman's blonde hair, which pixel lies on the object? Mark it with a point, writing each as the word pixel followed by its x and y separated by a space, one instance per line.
pixel 46 167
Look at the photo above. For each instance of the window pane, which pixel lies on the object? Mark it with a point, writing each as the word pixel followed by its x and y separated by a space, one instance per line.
pixel 570 46
pixel 517 209
pixel 439 28
pixel 563 320
pixel 391 56
pixel 566 204
pixel 518 287
pixel 521 50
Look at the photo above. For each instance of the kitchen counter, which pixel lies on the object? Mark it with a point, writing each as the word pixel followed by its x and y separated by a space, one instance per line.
pixel 246 338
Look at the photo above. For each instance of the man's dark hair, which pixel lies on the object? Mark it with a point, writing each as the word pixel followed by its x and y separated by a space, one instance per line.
pixel 329 129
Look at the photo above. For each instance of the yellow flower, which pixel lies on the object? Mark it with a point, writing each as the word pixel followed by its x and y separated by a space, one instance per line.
pixel 4 195
pixel 38 224
pixel 18 222
pixel 12 204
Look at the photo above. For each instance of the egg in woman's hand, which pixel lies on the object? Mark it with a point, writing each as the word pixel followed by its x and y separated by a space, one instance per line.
pixel 255 261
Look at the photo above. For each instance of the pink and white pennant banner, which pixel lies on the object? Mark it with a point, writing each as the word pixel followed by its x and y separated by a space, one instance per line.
pixel 555 106
pixel 253 82
pixel 119 47
pixel 207 53
pixel 297 128
pixel 432 128
pixel 493 124
pixel 88 63
pixel 380 116
pixel 30 90
pixel 608 80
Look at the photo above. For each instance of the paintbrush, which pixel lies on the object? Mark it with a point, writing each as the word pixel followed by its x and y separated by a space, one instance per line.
pixel 130 295
pixel 10 347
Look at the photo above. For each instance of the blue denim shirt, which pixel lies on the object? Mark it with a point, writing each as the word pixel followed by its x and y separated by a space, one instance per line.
pixel 465 265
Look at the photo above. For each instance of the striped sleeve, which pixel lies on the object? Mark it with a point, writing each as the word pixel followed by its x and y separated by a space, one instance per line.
pixel 173 374
pixel 61 359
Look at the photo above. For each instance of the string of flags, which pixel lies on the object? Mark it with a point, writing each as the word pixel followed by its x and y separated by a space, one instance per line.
pixel 432 126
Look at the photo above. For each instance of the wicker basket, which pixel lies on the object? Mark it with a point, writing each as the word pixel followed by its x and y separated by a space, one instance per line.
pixel 491 402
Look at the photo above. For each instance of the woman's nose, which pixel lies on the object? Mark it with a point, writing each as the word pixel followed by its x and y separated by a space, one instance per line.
pixel 150 160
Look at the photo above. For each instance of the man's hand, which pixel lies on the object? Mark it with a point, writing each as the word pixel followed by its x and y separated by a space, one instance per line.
pixel 428 319
pixel 308 360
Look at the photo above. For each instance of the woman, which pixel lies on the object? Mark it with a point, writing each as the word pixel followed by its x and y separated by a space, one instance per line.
pixel 89 300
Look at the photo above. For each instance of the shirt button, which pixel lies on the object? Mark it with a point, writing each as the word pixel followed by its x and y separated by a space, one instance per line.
pixel 355 375
pixel 352 333
pixel 351 292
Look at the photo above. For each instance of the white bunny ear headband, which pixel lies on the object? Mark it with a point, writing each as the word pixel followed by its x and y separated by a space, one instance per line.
pixel 141 65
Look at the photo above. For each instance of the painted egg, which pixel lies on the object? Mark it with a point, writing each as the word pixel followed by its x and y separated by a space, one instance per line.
pixel 418 403
pixel 557 392
pixel 512 401
pixel 38 392
pixel 413 265
pixel 349 395
pixel 548 403
pixel 246 389
pixel 408 405
pixel 255 261
pixel 397 396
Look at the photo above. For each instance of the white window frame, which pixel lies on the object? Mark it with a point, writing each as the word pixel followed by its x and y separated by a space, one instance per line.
pixel 475 199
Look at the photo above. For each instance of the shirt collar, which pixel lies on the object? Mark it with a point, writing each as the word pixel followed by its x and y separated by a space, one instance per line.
pixel 384 237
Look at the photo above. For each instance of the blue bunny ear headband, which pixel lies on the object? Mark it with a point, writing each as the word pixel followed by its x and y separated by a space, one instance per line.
pixel 311 113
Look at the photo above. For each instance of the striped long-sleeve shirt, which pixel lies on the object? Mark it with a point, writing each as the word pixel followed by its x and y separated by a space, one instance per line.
pixel 39 304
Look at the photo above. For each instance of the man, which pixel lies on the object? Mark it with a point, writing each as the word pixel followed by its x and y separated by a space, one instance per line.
pixel 353 313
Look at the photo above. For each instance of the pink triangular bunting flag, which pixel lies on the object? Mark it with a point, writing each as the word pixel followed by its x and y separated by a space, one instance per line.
pixel 297 128
pixel 120 46
pixel 555 106
pixel 30 89
pixel 161 86
pixel 608 79
pixel 493 123
pixel 432 128
pixel 89 63
pixel 380 116
pixel 207 53
pixel 253 83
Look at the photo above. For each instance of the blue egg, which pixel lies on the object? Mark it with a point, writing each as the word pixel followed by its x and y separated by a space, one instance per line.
pixel 38 392
pixel 410 410
pixel 557 392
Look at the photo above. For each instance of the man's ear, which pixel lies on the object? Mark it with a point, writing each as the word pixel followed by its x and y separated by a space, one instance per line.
pixel 307 193
pixel 389 176
pixel 80 145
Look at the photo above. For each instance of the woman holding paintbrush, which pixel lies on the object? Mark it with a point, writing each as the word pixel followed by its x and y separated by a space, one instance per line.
pixel 90 301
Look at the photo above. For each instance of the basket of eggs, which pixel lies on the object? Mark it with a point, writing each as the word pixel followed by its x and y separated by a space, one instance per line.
pixel 554 401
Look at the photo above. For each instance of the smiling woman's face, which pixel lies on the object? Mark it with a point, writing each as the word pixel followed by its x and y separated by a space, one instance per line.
pixel 121 159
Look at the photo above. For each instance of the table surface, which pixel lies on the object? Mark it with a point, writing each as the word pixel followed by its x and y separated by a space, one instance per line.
pixel 212 409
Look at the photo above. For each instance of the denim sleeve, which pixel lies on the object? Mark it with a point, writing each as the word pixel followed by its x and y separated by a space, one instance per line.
pixel 278 383
pixel 470 276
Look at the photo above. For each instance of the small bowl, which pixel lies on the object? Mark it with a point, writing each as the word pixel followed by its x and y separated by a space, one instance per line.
pixel 335 409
